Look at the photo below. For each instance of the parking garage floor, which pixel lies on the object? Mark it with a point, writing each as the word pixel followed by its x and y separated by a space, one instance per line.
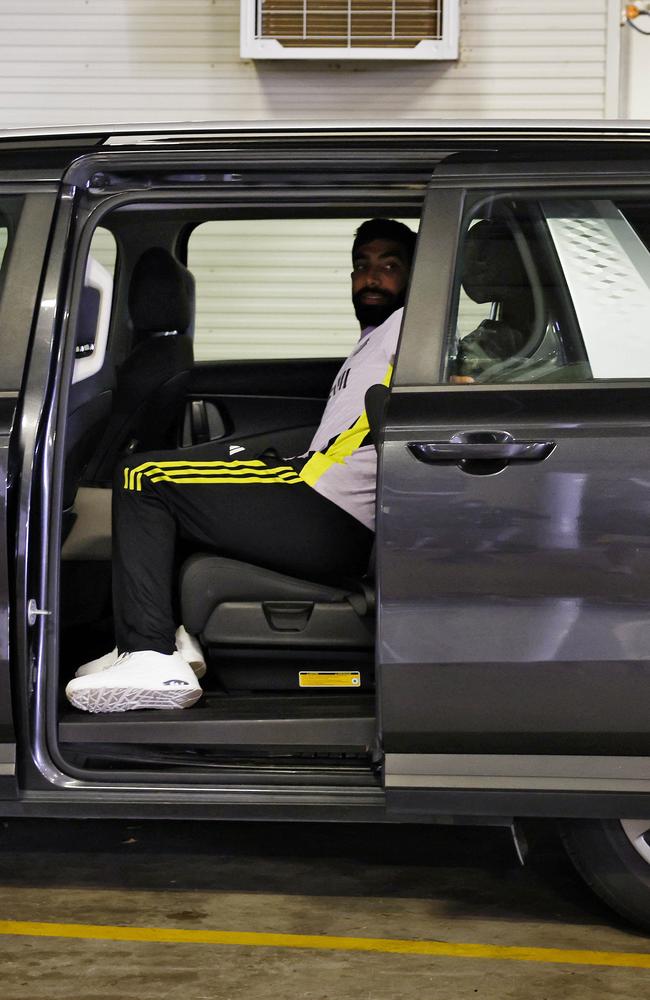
pixel 187 911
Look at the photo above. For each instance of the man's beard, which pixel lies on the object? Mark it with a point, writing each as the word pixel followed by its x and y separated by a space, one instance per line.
pixel 376 313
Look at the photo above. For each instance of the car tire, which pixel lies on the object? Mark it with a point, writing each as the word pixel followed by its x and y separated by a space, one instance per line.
pixel 613 857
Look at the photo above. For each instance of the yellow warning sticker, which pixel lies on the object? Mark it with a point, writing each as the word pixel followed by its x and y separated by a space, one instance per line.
pixel 329 678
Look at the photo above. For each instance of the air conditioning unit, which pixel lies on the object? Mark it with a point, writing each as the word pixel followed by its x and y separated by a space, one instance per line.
pixel 349 29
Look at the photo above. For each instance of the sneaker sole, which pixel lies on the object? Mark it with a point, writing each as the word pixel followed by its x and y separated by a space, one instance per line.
pixel 131 699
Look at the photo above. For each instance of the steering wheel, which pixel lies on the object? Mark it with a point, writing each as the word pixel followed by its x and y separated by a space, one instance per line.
pixel 577 371
pixel 493 372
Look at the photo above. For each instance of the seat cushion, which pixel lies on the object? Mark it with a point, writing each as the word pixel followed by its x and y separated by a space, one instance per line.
pixel 207 581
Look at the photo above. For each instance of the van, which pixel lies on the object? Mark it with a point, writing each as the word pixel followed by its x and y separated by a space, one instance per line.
pixel 493 664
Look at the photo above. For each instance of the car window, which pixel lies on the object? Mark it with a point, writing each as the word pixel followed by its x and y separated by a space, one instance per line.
pixel 553 290
pixel 95 304
pixel 10 209
pixel 273 288
pixel 104 249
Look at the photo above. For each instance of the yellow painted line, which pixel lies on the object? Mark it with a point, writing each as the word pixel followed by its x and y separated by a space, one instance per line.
pixel 392 946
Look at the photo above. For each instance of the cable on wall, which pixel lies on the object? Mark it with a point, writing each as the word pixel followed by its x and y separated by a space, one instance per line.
pixel 634 10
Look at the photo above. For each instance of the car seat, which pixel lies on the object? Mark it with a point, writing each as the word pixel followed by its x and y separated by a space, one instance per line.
pixel 152 382
pixel 262 628
pixel 521 341
pixel 493 271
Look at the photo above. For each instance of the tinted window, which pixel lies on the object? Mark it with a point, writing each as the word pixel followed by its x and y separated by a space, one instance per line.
pixel 94 313
pixel 554 290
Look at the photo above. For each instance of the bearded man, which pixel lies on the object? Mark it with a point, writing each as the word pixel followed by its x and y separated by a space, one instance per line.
pixel 310 516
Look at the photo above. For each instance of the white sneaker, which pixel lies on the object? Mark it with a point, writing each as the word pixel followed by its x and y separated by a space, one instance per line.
pixel 190 650
pixel 186 645
pixel 137 680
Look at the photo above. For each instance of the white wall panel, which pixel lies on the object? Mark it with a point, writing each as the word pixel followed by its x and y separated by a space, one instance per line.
pixel 89 61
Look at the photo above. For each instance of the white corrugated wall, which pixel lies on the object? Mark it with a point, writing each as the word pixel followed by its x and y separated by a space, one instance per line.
pixel 274 288
pixel 79 61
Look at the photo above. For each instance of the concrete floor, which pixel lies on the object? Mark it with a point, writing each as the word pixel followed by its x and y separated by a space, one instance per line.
pixel 445 884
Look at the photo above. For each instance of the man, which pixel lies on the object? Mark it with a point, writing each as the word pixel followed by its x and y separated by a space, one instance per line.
pixel 310 517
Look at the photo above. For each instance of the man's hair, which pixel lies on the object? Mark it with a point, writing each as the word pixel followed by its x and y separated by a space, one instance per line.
pixel 385 229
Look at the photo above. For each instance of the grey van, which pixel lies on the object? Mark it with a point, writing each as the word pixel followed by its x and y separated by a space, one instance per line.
pixel 494 662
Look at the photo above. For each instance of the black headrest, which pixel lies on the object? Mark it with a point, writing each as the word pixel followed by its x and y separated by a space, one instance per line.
pixel 492 265
pixel 161 294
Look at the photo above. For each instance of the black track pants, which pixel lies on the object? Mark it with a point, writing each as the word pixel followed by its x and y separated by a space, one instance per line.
pixel 258 511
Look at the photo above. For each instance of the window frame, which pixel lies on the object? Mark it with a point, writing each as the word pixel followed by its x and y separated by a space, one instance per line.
pixel 544 260
pixel 23 266
pixel 257 194
pixel 450 206
pixel 318 351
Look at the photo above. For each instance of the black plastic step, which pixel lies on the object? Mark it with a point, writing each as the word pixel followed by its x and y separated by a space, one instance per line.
pixel 237 721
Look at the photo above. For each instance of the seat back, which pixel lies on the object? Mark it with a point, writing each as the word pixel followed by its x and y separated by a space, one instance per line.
pixel 375 401
pixel 494 272
pixel 152 382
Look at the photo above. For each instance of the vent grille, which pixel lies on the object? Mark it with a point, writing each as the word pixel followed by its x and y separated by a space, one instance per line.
pixel 349 23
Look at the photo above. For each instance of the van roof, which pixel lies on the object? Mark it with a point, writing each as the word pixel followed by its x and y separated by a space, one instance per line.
pixel 162 132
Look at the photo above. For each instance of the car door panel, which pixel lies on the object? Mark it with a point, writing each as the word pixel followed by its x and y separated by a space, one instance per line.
pixel 275 403
pixel 513 604
pixel 514 597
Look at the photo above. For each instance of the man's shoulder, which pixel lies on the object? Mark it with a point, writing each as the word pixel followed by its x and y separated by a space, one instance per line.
pixel 386 333
pixel 386 329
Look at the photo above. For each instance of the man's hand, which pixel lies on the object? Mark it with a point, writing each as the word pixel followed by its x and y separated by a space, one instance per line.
pixel 461 379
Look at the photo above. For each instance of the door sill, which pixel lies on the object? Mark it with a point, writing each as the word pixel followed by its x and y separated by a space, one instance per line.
pixel 260 722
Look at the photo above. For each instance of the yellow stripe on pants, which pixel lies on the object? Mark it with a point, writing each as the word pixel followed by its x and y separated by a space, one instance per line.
pixel 254 471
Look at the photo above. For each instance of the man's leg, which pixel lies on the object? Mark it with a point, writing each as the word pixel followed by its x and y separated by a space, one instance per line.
pixel 256 511
pixel 144 541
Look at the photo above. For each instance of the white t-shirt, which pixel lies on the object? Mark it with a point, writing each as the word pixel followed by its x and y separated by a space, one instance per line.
pixel 343 462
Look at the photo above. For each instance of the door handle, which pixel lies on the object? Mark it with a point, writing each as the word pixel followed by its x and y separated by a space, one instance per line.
pixel 481 446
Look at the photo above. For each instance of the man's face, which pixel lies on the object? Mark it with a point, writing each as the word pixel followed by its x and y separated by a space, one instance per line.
pixel 380 272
